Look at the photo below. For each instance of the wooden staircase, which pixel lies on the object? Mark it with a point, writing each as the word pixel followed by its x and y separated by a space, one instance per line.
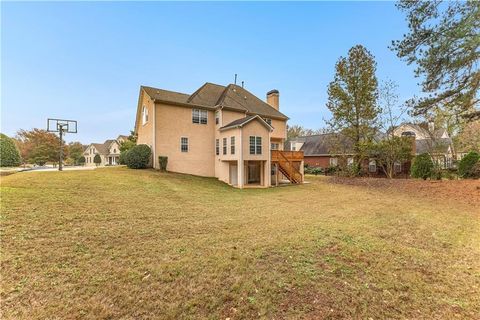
pixel 285 163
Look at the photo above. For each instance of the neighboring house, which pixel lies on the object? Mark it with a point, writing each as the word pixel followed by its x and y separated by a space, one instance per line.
pixel 109 152
pixel 328 150
pixel 431 140
pixel 218 131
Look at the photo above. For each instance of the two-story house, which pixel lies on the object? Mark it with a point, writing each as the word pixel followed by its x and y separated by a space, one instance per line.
pixel 109 152
pixel 218 131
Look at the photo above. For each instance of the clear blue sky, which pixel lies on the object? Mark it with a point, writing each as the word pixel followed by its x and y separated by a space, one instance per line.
pixel 86 61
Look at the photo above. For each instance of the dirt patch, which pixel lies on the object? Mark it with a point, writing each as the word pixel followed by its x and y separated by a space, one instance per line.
pixel 465 191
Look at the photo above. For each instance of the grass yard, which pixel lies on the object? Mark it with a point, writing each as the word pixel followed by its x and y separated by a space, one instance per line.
pixel 117 243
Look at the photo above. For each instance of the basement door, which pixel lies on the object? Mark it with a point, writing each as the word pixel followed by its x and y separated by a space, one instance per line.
pixel 233 174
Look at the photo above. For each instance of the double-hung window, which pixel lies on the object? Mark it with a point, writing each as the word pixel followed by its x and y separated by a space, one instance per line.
pixel 274 146
pixel 333 162
pixel 217 146
pixel 232 145
pixel 224 145
pixel 372 165
pixel 397 166
pixel 199 116
pixel 184 144
pixel 255 145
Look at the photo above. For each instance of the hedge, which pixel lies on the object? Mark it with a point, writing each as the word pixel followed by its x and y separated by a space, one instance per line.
pixel 9 155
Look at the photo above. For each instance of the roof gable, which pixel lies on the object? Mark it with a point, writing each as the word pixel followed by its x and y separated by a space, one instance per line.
pixel 239 123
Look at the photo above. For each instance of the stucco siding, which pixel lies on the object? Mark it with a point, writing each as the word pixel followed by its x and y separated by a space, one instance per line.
pixel 173 123
pixel 255 128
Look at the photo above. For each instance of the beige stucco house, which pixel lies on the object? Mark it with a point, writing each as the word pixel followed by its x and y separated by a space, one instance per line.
pixel 218 131
pixel 109 152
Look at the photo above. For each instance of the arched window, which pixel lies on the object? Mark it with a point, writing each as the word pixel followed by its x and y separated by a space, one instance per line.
pixel 144 115
pixel 408 134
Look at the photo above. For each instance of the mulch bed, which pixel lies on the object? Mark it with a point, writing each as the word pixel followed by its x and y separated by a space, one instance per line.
pixel 465 191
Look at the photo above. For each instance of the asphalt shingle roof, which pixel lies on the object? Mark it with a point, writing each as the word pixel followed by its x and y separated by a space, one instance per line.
pixel 212 95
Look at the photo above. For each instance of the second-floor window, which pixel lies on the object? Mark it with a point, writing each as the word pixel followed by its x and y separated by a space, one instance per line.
pixel 144 115
pixel 217 147
pixel 232 145
pixel 199 116
pixel 224 145
pixel 184 144
pixel 217 117
pixel 255 145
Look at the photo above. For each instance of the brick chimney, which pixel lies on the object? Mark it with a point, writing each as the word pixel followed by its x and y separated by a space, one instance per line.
pixel 273 98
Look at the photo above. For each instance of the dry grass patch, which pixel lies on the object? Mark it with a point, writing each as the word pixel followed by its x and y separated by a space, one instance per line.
pixel 119 243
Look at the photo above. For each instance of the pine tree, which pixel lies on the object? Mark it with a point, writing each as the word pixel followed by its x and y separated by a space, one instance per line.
pixel 352 99
pixel 443 43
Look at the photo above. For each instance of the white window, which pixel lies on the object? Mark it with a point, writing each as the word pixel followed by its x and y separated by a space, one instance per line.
pixel 397 167
pixel 274 146
pixel 255 145
pixel 199 116
pixel 217 146
pixel 333 162
pixel 350 161
pixel 217 117
pixel 224 145
pixel 144 115
pixel 232 145
pixel 184 144
pixel 372 165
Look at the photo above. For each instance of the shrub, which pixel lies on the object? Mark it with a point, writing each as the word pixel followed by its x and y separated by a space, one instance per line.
pixel 97 160
pixel 163 161
pixel 138 157
pixel 40 161
pixel 81 160
pixel 9 155
pixel 467 164
pixel 122 157
pixel 422 166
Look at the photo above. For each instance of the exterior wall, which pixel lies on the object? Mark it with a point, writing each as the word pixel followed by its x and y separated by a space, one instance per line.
pixel 227 116
pixel 174 122
pixel 406 127
pixel 145 131
pixel 254 128
pixel 279 129
pixel 221 161
pixel 317 161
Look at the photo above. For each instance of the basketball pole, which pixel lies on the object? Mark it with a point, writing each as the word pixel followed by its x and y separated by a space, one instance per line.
pixel 60 167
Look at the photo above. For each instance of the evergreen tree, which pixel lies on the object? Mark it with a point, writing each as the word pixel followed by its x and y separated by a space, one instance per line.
pixel 352 99
pixel 444 44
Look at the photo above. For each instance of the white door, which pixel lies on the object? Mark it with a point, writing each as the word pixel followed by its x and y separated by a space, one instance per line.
pixel 233 174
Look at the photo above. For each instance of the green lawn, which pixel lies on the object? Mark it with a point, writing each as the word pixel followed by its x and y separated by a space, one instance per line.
pixel 137 244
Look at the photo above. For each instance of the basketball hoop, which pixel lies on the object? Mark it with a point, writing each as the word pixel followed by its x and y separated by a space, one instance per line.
pixel 61 126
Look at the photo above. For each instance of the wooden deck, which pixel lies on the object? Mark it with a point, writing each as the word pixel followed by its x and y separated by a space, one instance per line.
pixel 294 156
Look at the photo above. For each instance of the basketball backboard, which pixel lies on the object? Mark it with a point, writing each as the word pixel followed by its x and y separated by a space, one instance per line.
pixel 57 125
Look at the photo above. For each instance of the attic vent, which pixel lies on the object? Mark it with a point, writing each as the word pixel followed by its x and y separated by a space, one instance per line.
pixel 245 97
